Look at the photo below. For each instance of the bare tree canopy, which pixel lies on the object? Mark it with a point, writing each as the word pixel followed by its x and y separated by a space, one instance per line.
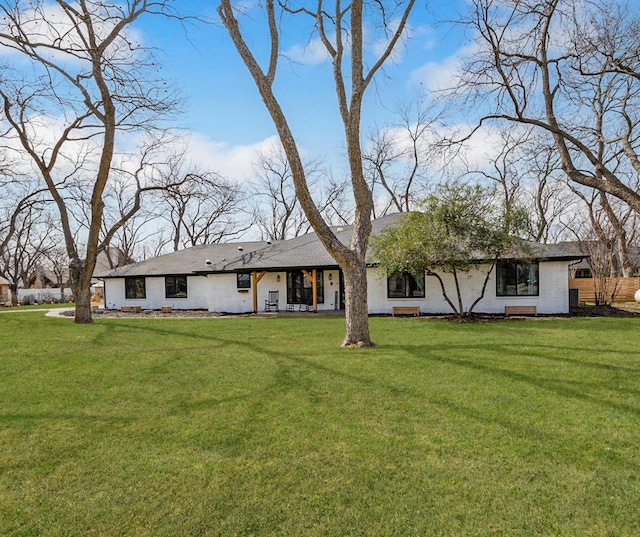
pixel 571 70
pixel 200 207
pixel 80 80
pixel 397 159
pixel 279 215
pixel 341 30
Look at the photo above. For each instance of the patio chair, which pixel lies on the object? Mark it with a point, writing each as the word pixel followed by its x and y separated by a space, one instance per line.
pixel 306 306
pixel 272 303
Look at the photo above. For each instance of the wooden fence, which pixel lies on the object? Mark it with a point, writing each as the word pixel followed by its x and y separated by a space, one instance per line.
pixel 625 288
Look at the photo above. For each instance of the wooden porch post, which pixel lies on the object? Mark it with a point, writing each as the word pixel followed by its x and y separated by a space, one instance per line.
pixel 314 289
pixel 255 278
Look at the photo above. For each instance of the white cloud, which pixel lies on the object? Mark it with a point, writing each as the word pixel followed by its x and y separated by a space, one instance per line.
pixel 313 53
pixel 435 76
pixel 234 162
pixel 443 75
pixel 476 153
pixel 483 147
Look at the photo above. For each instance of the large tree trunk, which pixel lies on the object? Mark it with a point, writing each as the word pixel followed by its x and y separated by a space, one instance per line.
pixel 351 259
pixel 356 309
pixel 82 296
pixel 14 294
pixel 81 287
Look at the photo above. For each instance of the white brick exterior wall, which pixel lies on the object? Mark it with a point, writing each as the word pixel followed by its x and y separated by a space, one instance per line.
pixel 553 289
pixel 219 293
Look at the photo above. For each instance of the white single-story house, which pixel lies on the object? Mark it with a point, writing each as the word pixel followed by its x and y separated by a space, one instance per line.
pixel 242 277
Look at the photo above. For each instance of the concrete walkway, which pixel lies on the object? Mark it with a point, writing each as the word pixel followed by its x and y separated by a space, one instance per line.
pixel 49 312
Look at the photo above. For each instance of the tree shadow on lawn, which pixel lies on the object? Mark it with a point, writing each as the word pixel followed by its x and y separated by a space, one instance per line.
pixel 289 376
pixel 431 352
pixel 574 389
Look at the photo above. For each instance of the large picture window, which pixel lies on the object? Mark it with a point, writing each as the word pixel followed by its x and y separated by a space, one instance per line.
pixel 405 285
pixel 135 287
pixel 517 278
pixel 300 290
pixel 175 287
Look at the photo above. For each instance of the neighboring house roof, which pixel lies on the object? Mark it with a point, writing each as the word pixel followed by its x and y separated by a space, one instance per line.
pixel 299 252
pixel 106 261
pixel 584 247
pixel 3 281
pixel 110 258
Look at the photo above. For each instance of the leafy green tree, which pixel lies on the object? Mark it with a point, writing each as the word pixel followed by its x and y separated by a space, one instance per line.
pixel 458 228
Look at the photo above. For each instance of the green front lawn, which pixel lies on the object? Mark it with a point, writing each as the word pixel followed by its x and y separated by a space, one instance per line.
pixel 266 427
pixel 37 306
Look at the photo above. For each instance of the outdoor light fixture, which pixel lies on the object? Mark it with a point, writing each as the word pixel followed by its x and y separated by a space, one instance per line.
pixel 330 277
pixel 278 278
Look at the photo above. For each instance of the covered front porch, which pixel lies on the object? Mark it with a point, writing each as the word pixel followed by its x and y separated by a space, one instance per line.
pixel 297 290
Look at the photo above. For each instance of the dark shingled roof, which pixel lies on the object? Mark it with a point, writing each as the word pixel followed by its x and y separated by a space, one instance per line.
pixel 305 251
pixel 185 261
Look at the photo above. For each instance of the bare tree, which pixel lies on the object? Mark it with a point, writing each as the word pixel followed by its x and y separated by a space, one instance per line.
pixel 129 238
pixel 528 177
pixel 204 209
pixel 550 199
pixel 341 31
pixel 58 262
pixel 200 207
pixel 396 159
pixel 613 228
pixel 570 70
pixel 156 244
pixel 279 215
pixel 87 72
pixel 33 238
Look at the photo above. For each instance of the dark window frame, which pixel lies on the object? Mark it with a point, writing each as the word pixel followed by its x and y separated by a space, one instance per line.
pixel 135 287
pixel 583 273
pixel 174 282
pixel 513 278
pixel 299 289
pixel 409 283
pixel 243 280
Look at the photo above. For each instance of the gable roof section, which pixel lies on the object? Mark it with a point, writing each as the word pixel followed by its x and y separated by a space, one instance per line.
pixel 305 251
pixel 188 261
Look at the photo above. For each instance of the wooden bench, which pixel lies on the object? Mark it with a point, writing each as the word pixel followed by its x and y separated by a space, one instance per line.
pixel 520 310
pixel 405 310
pixel 166 309
pixel 131 309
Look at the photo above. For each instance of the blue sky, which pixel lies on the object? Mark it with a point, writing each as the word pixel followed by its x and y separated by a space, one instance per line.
pixel 223 109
